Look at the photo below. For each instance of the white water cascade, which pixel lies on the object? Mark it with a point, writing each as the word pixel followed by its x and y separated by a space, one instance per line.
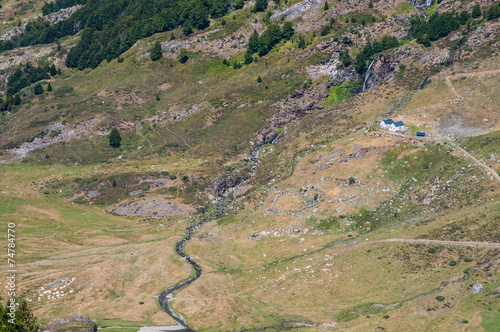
pixel 367 75
pixel 428 3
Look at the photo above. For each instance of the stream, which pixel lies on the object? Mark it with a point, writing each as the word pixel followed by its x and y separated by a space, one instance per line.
pixel 166 296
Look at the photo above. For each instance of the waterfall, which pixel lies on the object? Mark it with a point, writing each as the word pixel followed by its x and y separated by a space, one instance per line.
pixel 367 75
pixel 428 3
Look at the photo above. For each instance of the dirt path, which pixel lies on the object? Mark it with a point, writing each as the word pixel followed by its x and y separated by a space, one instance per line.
pixel 494 175
pixel 451 87
pixel 485 167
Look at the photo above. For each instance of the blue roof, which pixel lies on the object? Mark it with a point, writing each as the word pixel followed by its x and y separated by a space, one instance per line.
pixel 420 133
pixel 399 124
pixel 388 121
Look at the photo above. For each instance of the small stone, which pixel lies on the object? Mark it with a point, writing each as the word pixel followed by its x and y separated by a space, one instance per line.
pixel 477 288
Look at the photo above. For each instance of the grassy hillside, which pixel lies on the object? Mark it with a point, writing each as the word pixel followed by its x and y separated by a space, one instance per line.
pixel 330 221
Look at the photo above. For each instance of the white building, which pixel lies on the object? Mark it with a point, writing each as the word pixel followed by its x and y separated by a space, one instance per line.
pixel 397 126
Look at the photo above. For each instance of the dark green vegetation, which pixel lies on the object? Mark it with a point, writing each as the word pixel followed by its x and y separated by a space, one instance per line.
pixel 114 138
pixel 156 52
pixel 111 27
pixel 23 77
pixel 270 38
pixel 439 25
pixel 24 320
pixel 370 49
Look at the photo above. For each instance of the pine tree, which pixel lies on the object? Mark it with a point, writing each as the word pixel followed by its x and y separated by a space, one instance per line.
pixel 476 11
pixel 260 6
pixel 17 100
pixel 326 7
pixel 156 52
pixel 259 79
pixel 53 70
pixel 287 31
pixel 25 320
pixel 114 138
pixel 49 87
pixel 157 97
pixel 302 43
pixel 38 89
pixel 253 43
pixel 248 58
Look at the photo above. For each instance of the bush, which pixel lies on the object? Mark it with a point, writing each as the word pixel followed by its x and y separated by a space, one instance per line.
pixel 173 177
pixel 431 250
pixel 259 79
pixel 172 189
pixel 467 259
pixel 452 263
pixel 183 56
pixel 440 298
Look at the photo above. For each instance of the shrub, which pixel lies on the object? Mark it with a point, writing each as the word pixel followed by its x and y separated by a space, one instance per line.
pixel 183 56
pixel 172 189
pixel 431 250
pixel 452 263
pixel 259 79
pixel 440 298
pixel 467 259
pixel 173 177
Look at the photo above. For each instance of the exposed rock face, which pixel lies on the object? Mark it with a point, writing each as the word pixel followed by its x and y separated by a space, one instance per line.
pixel 62 14
pixel 53 18
pixel 151 206
pixel 294 107
pixel 56 132
pixel 73 323
pixel 221 182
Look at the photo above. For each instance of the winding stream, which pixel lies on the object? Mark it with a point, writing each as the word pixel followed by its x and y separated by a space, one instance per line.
pixel 166 296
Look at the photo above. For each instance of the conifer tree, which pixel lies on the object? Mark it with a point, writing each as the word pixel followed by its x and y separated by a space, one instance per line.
pixel 114 138
pixel 156 53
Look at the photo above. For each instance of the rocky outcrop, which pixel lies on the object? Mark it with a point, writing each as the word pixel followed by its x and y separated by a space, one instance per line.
pixel 56 132
pixel 221 182
pixel 293 107
pixel 73 323
pixel 152 207
pixel 53 18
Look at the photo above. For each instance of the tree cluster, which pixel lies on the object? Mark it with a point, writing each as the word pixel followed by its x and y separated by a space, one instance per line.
pixel 370 49
pixel 24 320
pixel 110 27
pixel 438 26
pixel 271 37
pixel 493 11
